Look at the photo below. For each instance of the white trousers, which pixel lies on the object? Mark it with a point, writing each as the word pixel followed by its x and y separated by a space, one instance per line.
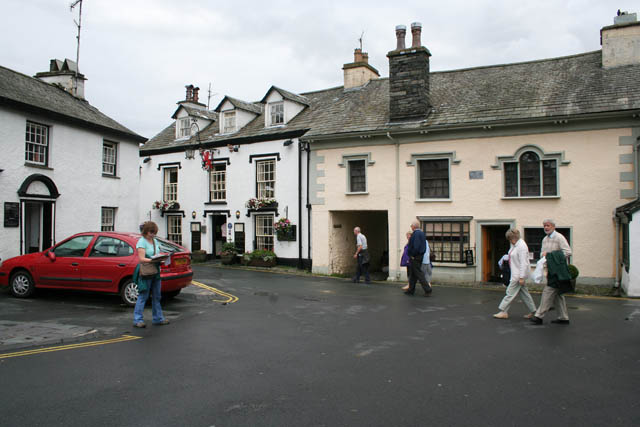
pixel 513 290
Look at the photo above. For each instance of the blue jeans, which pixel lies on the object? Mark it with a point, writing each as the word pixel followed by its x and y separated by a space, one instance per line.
pixel 153 288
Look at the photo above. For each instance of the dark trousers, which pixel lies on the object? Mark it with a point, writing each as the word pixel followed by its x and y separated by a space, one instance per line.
pixel 417 275
pixel 363 270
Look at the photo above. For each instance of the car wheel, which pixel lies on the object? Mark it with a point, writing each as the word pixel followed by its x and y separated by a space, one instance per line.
pixel 129 293
pixel 170 295
pixel 22 285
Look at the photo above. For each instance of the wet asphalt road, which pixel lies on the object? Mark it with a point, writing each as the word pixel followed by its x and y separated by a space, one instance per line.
pixel 298 351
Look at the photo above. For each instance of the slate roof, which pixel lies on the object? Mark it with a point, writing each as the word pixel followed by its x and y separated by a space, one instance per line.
pixel 242 105
pixel 510 93
pixel 286 95
pixel 197 112
pixel 18 90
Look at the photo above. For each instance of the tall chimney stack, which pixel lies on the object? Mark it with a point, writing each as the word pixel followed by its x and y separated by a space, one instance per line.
pixel 621 41
pixel 359 72
pixel 409 78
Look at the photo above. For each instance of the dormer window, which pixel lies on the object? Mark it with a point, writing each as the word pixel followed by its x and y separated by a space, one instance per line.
pixel 184 126
pixel 229 122
pixel 276 111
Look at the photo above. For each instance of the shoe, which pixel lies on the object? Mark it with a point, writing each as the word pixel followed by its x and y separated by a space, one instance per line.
pixel 501 315
pixel 530 315
pixel 428 292
pixel 139 325
pixel 535 320
pixel 162 322
pixel 408 293
pixel 405 288
pixel 561 321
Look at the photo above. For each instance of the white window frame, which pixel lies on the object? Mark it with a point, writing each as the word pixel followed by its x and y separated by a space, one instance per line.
pixel 174 229
pixel 262 190
pixel 264 232
pixel 107 219
pixel 36 144
pixel 170 189
pixel 229 121
pixel 276 113
pixel 109 158
pixel 184 127
pixel 218 183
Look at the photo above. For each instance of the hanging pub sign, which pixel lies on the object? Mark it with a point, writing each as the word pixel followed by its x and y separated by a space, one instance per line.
pixel 11 214
pixel 207 159
pixel 468 256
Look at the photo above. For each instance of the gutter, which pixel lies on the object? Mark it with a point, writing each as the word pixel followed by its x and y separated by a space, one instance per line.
pixel 397 195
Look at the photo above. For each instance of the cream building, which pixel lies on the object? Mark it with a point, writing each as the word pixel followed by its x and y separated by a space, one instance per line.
pixel 473 152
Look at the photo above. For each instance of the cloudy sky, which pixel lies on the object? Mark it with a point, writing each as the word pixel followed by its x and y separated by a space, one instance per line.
pixel 139 54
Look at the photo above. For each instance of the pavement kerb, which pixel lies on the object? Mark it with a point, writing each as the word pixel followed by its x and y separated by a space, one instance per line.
pixel 491 288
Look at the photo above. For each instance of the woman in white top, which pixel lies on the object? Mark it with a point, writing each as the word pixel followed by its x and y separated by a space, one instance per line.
pixel 519 264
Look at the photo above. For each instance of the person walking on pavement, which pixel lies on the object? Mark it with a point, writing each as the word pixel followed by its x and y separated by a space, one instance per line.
pixel 146 248
pixel 417 249
pixel 405 260
pixel 363 257
pixel 519 265
pixel 553 241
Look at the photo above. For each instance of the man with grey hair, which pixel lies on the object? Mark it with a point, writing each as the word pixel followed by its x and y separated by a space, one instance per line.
pixel 553 241
pixel 363 257
pixel 416 251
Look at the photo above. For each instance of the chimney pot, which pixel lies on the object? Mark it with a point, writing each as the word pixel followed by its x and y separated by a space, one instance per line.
pixel 416 30
pixel 401 32
pixel 357 55
pixel 195 94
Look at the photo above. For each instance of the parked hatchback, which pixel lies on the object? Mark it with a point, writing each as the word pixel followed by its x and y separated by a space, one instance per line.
pixel 94 261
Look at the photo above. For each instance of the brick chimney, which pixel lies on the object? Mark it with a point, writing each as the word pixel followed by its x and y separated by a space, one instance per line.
pixel 359 72
pixel 409 77
pixel 191 97
pixel 621 41
pixel 65 75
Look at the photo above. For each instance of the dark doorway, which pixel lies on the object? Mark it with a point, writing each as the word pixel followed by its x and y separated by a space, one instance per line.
pixel 219 233
pixel 38 226
pixel 238 236
pixel 196 237
pixel 494 246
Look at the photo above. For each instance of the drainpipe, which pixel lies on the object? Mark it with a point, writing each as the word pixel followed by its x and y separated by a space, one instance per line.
pixel 300 205
pixel 397 195
pixel 308 150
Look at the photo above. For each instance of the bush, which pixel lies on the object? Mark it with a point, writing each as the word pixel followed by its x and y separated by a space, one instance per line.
pixel 259 258
pixel 228 248
pixel 573 271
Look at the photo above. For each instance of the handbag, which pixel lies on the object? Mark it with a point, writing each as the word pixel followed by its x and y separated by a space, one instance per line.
pixel 149 269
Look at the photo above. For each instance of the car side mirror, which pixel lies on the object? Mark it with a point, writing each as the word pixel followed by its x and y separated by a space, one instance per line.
pixel 51 256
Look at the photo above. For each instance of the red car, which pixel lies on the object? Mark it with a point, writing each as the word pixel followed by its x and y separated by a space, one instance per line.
pixel 95 261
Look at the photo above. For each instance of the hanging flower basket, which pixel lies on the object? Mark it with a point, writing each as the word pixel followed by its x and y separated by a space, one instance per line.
pixel 164 205
pixel 285 231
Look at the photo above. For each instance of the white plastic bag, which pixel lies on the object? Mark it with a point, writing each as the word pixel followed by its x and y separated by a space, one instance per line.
pixel 538 273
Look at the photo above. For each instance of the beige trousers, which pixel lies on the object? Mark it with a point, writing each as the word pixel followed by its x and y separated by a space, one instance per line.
pixel 551 297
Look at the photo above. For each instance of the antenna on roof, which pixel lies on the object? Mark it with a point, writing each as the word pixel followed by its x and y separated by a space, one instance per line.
pixel 209 95
pixel 78 24
pixel 360 39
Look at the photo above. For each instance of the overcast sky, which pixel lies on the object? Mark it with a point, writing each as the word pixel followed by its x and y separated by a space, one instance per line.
pixel 139 54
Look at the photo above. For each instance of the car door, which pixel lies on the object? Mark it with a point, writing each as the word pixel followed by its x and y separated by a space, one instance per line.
pixel 66 270
pixel 109 260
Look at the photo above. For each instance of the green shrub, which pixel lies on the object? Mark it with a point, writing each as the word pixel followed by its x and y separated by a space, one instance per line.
pixel 229 248
pixel 259 254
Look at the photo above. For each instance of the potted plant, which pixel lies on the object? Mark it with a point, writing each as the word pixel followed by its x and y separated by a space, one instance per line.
pixel 285 231
pixel 199 255
pixel 228 253
pixel 260 203
pixel 259 258
pixel 164 205
pixel 574 273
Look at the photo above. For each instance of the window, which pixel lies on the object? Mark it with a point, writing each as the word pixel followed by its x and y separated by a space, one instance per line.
pixel 218 182
pixel 170 185
pixel 174 229
pixel 109 156
pixel 533 237
pixel 110 247
pixel 264 232
pixel 266 178
pixel 37 144
pixel 185 127
pixel 276 110
pixel 448 240
pixel 434 178
pixel 531 177
pixel 74 247
pixel 625 246
pixel 108 219
pixel 357 176
pixel 229 122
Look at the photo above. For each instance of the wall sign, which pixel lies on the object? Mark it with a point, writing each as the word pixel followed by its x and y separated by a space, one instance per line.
pixel 476 174
pixel 11 214
pixel 468 256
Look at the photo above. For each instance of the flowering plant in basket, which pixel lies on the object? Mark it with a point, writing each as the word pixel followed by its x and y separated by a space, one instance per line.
pixel 263 202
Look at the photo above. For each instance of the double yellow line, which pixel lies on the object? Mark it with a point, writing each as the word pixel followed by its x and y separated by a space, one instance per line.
pixel 229 298
pixel 68 347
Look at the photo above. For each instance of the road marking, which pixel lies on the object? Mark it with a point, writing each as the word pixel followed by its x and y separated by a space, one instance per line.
pixel 68 347
pixel 230 298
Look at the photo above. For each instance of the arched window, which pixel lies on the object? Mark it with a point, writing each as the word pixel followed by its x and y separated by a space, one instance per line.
pixel 530 176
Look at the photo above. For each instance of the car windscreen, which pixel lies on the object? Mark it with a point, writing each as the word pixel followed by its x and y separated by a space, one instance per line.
pixel 166 246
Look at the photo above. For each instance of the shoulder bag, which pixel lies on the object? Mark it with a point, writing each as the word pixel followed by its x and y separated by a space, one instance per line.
pixel 149 269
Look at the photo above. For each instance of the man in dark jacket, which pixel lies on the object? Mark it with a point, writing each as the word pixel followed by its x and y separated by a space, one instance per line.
pixel 416 250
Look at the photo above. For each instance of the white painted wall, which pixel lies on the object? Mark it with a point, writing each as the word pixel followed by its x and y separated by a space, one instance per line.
pixel 75 166
pixel 242 117
pixel 193 192
pixel 631 280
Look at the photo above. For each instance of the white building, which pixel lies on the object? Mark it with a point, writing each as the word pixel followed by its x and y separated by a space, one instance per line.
pixel 254 154
pixel 65 167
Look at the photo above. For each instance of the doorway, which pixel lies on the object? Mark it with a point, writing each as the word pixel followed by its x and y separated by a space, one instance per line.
pixel 494 246
pixel 196 237
pixel 38 223
pixel 219 233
